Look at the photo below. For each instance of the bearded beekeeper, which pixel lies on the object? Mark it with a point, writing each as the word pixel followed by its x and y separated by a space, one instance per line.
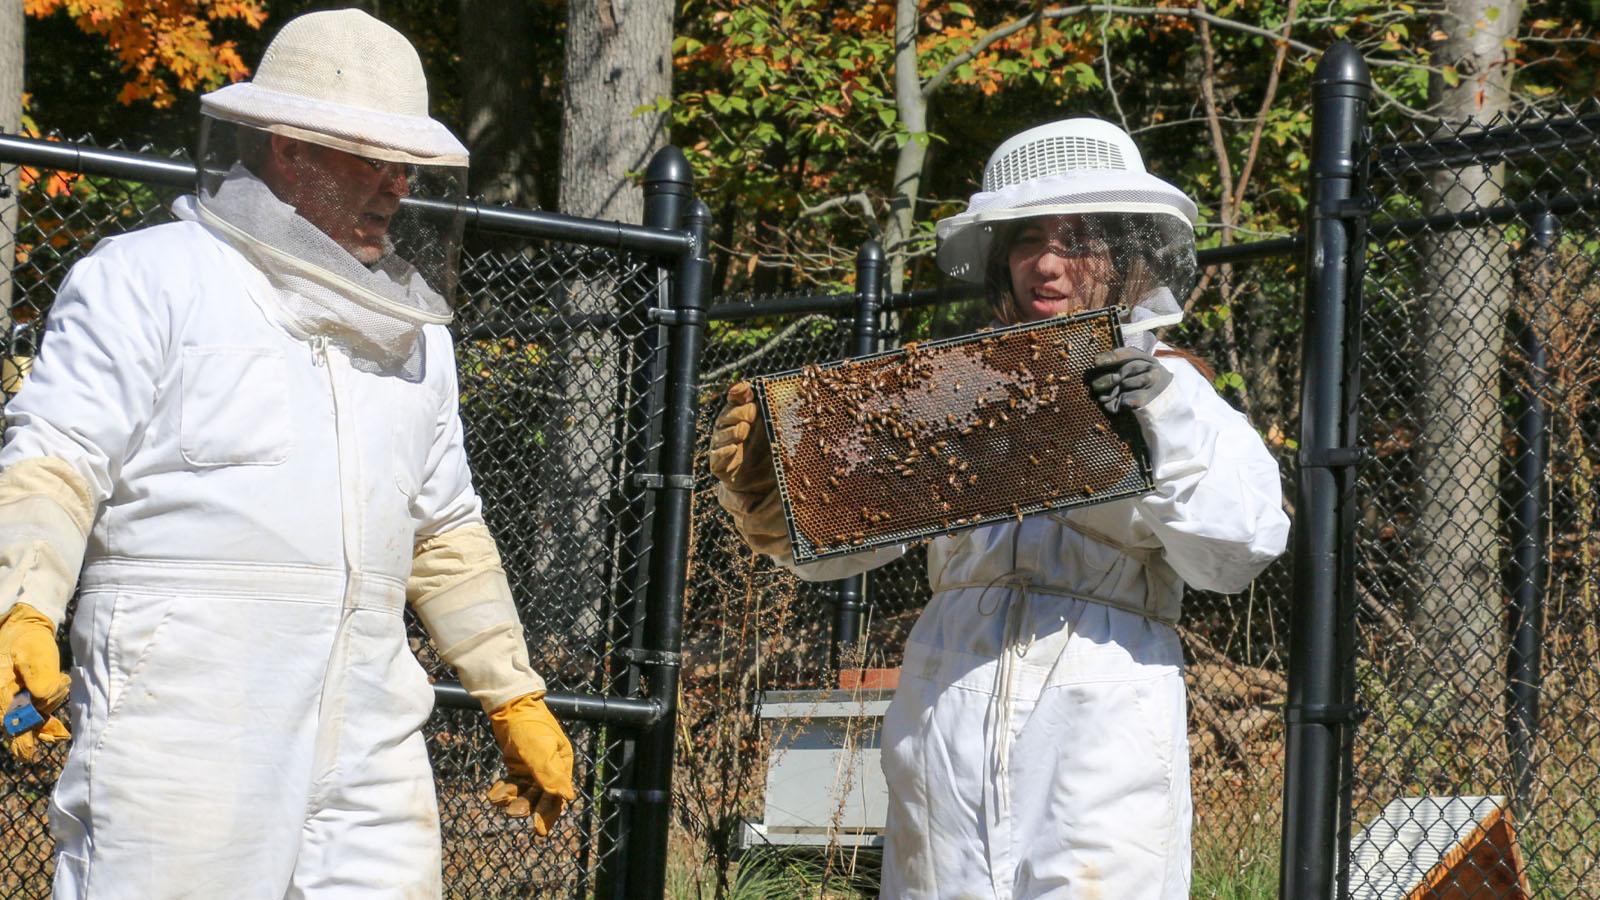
pixel 1036 746
pixel 242 430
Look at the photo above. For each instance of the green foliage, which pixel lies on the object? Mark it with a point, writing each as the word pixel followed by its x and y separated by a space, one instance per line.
pixel 1241 865
pixel 772 873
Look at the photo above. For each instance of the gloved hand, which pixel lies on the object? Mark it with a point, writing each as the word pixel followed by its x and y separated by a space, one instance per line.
pixel 538 762
pixel 1126 378
pixel 747 485
pixel 30 661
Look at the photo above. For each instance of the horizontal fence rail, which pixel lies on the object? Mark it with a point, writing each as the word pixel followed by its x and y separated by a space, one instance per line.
pixel 83 159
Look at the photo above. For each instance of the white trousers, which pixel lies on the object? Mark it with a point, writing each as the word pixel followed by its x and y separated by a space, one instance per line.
pixel 232 741
pixel 1061 772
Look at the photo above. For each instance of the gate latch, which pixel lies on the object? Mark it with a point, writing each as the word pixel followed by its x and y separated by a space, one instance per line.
pixel 656 481
pixel 1326 714
pixel 642 657
pixel 1332 457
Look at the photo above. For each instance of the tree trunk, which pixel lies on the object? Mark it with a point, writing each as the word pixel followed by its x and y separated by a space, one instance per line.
pixel 1466 291
pixel 500 91
pixel 911 104
pixel 11 60
pixel 618 59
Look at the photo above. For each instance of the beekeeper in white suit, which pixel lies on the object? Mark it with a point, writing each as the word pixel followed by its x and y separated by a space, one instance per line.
pixel 242 427
pixel 1036 746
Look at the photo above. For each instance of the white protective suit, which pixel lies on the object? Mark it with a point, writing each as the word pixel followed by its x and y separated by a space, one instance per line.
pixel 1037 744
pixel 245 707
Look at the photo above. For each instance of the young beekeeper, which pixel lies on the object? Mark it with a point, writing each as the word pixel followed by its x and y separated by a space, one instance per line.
pixel 240 444
pixel 1036 745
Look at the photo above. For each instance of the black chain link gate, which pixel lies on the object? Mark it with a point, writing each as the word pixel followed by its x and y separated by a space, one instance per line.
pixel 1472 645
pixel 566 333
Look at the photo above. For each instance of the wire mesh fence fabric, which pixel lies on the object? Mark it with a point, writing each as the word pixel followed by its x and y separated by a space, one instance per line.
pixel 1476 644
pixel 753 627
pixel 557 377
pixel 1475 649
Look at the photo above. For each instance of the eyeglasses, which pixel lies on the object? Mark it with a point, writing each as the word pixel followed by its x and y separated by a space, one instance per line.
pixel 392 169
pixel 1035 241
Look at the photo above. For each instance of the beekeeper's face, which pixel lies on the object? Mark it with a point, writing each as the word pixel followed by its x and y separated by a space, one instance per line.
pixel 350 198
pixel 1059 265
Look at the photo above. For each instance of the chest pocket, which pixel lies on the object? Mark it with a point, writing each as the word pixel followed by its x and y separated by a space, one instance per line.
pixel 235 407
pixel 412 410
pixel 409 459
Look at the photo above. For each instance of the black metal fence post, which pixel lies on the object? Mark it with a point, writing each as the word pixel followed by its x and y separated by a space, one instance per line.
pixel 685 320
pixel 850 594
pixel 1319 707
pixel 1527 504
pixel 639 397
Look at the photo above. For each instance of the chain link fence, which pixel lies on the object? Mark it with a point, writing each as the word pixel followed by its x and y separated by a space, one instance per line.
pixel 561 374
pixel 1475 649
pixel 1245 304
pixel 1477 654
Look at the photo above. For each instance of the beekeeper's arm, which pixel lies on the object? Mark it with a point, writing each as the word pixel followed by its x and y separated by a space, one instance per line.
pixel 459 591
pixel 88 395
pixel 1217 507
pixel 747 487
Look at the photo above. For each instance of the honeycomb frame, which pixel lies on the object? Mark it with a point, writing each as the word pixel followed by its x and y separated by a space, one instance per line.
pixel 994 425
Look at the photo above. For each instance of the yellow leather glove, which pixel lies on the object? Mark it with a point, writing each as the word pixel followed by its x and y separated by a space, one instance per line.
pixel 747 485
pixel 30 661
pixel 538 762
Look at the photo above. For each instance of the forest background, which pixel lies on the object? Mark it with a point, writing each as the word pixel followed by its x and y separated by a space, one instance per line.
pixel 813 125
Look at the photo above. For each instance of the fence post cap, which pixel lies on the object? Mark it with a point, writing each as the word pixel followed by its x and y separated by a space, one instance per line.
pixel 668 172
pixel 871 252
pixel 1342 63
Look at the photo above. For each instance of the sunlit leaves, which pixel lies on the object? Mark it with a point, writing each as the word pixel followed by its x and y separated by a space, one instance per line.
pixel 163 46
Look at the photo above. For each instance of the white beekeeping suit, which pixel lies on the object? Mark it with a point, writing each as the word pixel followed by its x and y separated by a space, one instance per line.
pixel 1037 745
pixel 243 427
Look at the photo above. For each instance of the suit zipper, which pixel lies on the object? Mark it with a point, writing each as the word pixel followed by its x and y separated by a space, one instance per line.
pixel 347 529
pixel 330 713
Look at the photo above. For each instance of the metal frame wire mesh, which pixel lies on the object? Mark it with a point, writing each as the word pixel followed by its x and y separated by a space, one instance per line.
pixel 1475 635
pixel 1474 632
pixel 562 387
pixel 1236 644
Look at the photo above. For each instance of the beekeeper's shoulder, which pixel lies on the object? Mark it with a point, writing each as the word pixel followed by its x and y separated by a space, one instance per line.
pixel 174 252
pixel 439 351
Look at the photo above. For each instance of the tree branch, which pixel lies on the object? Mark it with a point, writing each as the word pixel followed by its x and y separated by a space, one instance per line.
pixel 1002 32
pixel 1230 205
pixel 1111 84
pixel 766 347
pixel 1219 146
pixel 988 40
pixel 859 197
pixel 1266 105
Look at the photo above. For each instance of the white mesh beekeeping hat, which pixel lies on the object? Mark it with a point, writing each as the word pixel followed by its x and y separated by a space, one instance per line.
pixel 1075 166
pixel 343 79
pixel 327 173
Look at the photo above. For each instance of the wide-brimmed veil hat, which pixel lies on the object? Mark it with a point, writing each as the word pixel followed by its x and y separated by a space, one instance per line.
pixel 342 79
pixel 339 79
pixel 1074 166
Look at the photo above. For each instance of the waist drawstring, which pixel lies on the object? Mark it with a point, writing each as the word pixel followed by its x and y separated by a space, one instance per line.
pixel 1014 645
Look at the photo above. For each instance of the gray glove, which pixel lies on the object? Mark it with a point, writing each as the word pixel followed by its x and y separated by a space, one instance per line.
pixel 1126 378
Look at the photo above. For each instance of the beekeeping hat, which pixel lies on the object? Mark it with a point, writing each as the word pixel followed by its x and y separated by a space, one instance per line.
pixel 342 79
pixel 1075 166
pixel 364 241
